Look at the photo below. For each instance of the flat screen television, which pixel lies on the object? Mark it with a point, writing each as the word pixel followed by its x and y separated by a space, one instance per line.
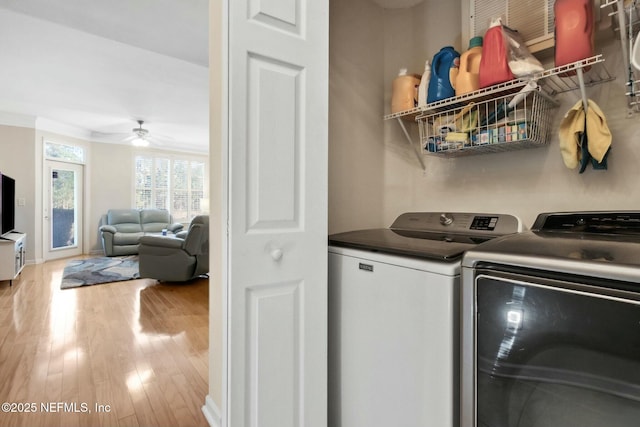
pixel 7 204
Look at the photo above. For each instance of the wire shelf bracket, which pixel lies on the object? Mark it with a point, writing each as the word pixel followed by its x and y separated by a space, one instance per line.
pixel 411 143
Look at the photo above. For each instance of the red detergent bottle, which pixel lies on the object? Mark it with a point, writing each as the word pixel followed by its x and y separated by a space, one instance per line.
pixel 574 31
pixel 494 64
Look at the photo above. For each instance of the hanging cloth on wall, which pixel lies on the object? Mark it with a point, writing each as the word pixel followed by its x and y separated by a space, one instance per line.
pixel 585 138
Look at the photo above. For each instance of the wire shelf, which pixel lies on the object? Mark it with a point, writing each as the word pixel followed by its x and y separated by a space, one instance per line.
pixel 555 80
pixel 633 92
pixel 488 126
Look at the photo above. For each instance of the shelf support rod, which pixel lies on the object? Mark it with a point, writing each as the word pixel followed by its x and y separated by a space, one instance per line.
pixel 623 34
pixel 583 92
pixel 406 134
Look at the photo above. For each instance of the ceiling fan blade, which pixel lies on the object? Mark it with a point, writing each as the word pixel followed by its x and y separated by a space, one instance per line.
pixel 161 138
pixel 109 136
pixel 155 139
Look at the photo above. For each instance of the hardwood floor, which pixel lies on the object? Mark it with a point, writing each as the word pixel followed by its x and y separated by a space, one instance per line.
pixel 120 354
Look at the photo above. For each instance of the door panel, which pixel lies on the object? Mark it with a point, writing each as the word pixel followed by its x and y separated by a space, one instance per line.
pixel 277 213
pixel 273 146
pixel 274 324
pixel 280 14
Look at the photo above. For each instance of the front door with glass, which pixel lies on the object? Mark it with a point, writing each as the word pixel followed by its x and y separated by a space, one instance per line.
pixel 63 209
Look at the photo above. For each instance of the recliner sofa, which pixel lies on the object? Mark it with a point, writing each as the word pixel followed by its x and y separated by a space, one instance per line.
pixel 121 229
pixel 176 259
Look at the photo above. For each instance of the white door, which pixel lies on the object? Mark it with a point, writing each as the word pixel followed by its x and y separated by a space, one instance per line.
pixel 63 200
pixel 276 361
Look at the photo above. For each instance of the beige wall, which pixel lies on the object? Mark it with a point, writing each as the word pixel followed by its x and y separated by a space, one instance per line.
pixel 111 184
pixel 356 148
pixel 17 154
pixel 524 183
pixel 218 204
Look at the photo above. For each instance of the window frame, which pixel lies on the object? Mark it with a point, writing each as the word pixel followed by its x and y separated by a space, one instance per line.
pixel 172 159
pixel 47 142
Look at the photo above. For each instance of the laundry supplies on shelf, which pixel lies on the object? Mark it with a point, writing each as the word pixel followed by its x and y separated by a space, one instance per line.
pixel 405 91
pixel 504 123
pixel 424 85
pixel 468 79
pixel 494 65
pixel 444 71
pixel 574 31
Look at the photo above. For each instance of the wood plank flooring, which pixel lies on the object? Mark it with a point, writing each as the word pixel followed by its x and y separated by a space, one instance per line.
pixel 129 353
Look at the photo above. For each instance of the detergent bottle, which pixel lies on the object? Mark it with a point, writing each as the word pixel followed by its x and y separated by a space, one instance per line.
pixel 444 71
pixel 424 85
pixel 494 65
pixel 405 92
pixel 469 75
pixel 574 31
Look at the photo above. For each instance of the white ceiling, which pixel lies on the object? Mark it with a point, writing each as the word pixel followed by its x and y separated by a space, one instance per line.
pixel 98 66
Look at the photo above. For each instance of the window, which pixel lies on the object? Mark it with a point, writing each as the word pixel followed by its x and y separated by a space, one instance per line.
pixel 177 185
pixel 68 153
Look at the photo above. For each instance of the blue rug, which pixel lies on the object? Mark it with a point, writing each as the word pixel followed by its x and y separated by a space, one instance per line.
pixel 93 271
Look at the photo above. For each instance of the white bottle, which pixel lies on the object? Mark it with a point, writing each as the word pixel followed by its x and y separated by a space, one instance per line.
pixel 424 85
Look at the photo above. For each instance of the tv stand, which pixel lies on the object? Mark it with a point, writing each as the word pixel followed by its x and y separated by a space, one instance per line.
pixel 13 251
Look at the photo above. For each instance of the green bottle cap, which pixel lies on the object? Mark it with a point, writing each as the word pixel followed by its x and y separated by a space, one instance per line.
pixel 475 42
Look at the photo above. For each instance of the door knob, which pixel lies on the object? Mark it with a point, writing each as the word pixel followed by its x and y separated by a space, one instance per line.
pixel 276 254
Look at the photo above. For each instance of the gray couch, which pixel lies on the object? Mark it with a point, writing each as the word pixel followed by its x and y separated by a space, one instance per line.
pixel 121 229
pixel 176 259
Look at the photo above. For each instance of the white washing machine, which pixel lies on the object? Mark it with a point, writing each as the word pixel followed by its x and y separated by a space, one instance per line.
pixel 393 318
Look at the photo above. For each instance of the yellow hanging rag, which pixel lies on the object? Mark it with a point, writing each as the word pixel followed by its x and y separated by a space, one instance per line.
pixel 598 132
pixel 573 125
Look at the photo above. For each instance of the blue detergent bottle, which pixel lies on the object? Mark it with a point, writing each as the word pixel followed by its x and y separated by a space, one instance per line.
pixel 444 71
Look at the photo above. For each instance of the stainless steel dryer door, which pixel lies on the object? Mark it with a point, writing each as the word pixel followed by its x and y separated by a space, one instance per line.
pixel 551 352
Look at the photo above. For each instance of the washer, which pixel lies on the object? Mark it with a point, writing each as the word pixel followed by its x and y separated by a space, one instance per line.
pixel 551 324
pixel 393 328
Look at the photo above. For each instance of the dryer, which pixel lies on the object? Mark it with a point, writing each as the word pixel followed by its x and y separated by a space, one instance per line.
pixel 551 324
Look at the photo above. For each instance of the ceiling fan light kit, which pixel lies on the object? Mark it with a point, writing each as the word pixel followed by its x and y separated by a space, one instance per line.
pixel 140 140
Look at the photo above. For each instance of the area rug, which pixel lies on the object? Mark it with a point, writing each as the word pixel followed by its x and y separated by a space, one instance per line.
pixel 93 271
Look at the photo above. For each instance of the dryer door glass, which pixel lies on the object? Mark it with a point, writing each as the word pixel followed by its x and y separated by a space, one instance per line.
pixel 554 353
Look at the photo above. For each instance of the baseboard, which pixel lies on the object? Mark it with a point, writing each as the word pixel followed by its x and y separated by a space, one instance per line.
pixel 96 252
pixel 211 412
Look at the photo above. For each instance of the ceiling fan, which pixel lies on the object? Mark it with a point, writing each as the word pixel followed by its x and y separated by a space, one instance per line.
pixel 140 139
pixel 139 136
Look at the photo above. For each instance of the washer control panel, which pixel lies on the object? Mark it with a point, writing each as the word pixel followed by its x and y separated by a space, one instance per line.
pixel 446 219
pixel 458 222
pixel 484 223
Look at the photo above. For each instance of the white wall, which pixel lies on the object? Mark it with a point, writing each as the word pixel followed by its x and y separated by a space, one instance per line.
pixel 523 183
